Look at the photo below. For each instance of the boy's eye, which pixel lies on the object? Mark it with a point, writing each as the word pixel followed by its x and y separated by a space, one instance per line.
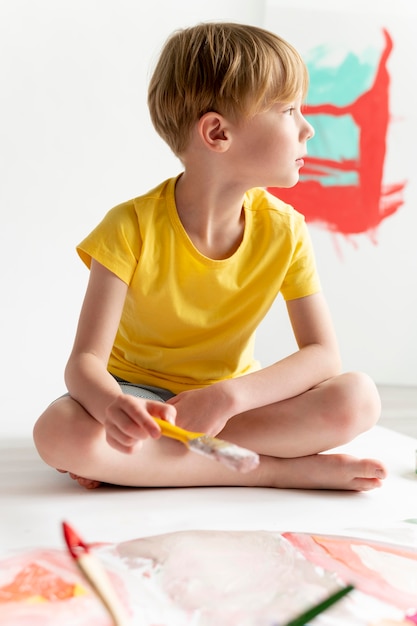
pixel 290 110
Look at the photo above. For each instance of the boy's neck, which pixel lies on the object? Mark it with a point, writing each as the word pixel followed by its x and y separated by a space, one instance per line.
pixel 211 213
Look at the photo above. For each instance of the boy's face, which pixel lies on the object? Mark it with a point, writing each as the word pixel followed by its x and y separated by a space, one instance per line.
pixel 269 147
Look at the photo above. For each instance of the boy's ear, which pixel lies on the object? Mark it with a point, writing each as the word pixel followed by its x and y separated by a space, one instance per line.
pixel 214 131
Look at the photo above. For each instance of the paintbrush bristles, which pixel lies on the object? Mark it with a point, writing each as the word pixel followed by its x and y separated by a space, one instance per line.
pixel 229 454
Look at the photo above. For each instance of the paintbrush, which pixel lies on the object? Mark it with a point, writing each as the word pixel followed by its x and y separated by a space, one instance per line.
pixel 96 575
pixel 229 454
pixel 307 616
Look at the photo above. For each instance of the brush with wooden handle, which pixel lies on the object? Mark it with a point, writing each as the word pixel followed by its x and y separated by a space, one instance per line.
pixel 235 457
pixel 96 576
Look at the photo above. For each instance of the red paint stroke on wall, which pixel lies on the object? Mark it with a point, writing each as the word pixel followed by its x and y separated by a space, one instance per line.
pixel 352 209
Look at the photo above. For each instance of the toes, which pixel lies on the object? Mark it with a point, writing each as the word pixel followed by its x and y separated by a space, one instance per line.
pixel 87 483
pixel 372 468
pixel 365 484
pixel 366 474
pixel 349 473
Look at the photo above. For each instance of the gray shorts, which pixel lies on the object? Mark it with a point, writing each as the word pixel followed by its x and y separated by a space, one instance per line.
pixel 141 391
pixel 144 391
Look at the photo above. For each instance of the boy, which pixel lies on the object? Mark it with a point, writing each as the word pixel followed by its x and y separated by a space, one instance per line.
pixel 181 277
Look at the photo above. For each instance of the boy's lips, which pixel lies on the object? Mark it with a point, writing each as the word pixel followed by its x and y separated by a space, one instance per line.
pixel 300 162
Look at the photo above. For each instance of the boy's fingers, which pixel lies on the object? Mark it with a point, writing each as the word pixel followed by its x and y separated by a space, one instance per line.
pixel 127 430
pixel 163 410
pixel 149 425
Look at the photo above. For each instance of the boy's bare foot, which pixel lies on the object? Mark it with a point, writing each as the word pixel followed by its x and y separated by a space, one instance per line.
pixel 88 483
pixel 332 471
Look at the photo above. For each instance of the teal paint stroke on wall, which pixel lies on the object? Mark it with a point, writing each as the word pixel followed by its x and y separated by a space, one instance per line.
pixel 331 177
pixel 339 83
pixel 335 137
pixel 338 79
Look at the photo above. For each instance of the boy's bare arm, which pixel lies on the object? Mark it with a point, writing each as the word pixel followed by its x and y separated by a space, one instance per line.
pixel 126 419
pixel 317 359
pixel 86 373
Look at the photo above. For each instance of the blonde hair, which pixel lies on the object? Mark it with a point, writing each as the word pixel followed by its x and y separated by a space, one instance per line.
pixel 232 69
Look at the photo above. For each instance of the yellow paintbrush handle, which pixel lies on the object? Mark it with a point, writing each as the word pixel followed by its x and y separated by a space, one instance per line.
pixel 175 432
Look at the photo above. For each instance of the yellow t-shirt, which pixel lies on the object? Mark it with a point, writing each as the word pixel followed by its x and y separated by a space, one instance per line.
pixel 188 320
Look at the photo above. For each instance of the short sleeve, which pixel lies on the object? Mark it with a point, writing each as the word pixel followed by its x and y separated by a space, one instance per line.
pixel 115 242
pixel 302 278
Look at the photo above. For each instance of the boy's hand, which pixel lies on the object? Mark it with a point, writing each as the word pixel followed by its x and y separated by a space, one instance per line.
pixel 204 410
pixel 128 421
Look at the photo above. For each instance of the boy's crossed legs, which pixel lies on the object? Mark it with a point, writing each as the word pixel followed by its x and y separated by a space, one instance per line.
pixel 289 437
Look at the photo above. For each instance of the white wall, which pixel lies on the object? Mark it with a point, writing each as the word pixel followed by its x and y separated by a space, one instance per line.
pixel 75 139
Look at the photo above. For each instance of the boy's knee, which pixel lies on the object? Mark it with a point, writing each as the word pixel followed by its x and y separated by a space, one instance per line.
pixel 41 436
pixel 47 432
pixel 361 400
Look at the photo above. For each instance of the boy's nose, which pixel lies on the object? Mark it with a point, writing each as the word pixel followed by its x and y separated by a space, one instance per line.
pixel 309 130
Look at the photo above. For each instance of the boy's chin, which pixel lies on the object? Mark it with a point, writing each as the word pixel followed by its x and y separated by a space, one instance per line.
pixel 288 185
